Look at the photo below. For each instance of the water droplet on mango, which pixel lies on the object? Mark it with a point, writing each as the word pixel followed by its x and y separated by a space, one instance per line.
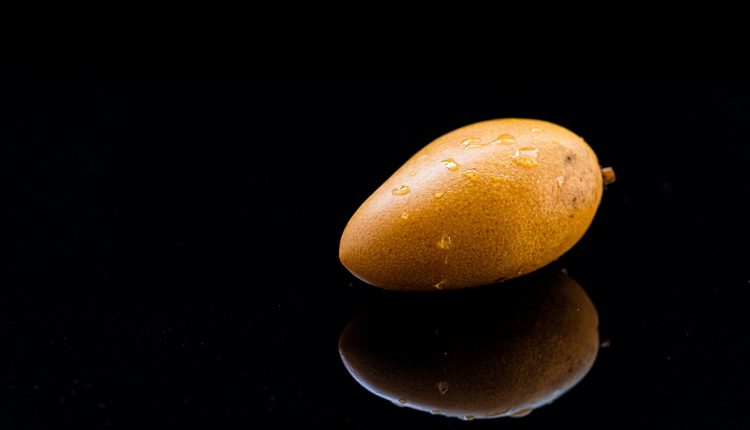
pixel 450 164
pixel 500 178
pixel 504 139
pixel 400 191
pixel 445 242
pixel 472 143
pixel 471 174
pixel 526 157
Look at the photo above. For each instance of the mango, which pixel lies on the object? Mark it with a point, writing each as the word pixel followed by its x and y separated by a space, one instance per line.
pixel 481 204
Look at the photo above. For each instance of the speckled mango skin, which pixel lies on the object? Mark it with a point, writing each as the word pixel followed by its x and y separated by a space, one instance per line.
pixel 514 198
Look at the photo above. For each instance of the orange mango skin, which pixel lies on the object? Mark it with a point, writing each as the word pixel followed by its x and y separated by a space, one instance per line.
pixel 481 204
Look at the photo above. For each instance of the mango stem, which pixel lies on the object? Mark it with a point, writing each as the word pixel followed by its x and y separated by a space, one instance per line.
pixel 608 174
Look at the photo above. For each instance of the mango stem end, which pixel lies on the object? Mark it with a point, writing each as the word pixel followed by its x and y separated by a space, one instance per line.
pixel 608 174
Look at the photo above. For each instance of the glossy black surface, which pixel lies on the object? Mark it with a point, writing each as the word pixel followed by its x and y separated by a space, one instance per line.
pixel 171 248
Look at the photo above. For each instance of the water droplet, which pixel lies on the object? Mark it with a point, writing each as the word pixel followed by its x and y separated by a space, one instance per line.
pixel 423 157
pixel 504 139
pixel 450 164
pixel 521 413
pixel 468 417
pixel 471 174
pixel 536 130
pixel 560 181
pixel 472 143
pixel 400 191
pixel 500 178
pixel 442 387
pixel 439 194
pixel 440 285
pixel 435 412
pixel 402 401
pixel 404 215
pixel 445 242
pixel 526 157
pixel 412 173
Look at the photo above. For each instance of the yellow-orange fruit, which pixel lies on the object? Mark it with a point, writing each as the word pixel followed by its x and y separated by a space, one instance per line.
pixel 480 354
pixel 487 202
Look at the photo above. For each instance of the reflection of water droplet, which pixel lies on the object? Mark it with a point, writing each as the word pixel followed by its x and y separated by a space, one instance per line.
pixel 536 130
pixel 450 164
pixel 526 157
pixel 402 401
pixel 472 143
pixel 560 181
pixel 439 194
pixel 605 343
pixel 435 412
pixel 442 387
pixel 412 173
pixel 404 215
pixel 522 413
pixel 471 174
pixel 445 242
pixel 400 191
pixel 468 417
pixel 440 285
pixel 504 139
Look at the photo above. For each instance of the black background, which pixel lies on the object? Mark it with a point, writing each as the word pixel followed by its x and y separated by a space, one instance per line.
pixel 172 247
